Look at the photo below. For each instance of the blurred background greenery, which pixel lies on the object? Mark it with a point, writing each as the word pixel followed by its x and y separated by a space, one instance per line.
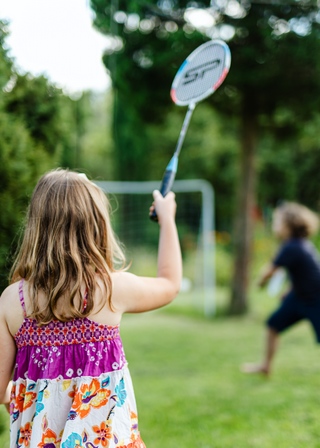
pixel 255 140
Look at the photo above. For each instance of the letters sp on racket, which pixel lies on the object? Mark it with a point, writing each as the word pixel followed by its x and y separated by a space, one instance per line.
pixel 199 72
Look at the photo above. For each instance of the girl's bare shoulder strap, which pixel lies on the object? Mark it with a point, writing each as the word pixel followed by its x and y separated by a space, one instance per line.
pixel 21 297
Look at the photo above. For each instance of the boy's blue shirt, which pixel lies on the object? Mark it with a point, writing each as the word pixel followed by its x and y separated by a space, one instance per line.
pixel 302 261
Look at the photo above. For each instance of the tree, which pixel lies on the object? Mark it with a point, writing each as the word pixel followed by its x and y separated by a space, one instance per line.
pixel 271 70
pixel 39 105
pixel 142 72
pixel 274 39
pixel 97 148
pixel 35 131
pixel 5 61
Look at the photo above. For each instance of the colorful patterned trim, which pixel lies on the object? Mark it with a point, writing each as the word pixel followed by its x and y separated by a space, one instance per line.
pixel 56 333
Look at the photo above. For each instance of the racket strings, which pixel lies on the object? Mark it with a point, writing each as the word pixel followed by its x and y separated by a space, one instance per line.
pixel 200 74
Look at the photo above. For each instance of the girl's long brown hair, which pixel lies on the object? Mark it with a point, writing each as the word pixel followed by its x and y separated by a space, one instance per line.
pixel 68 240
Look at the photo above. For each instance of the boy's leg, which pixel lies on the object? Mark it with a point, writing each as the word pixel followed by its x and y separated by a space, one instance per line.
pixel 271 345
pixel 283 318
pixel 271 348
pixel 312 312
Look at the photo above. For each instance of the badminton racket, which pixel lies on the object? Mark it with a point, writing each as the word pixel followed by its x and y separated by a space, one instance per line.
pixel 198 77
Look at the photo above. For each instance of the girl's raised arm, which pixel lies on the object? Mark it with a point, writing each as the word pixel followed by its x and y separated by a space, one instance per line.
pixel 136 294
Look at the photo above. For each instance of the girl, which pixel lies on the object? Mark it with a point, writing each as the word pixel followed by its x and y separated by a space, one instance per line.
pixel 60 316
pixel 293 224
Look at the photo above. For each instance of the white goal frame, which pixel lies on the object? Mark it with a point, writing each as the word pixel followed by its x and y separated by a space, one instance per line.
pixel 207 222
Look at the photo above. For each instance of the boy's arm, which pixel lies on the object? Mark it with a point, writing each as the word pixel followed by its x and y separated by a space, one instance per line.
pixel 267 274
pixel 285 257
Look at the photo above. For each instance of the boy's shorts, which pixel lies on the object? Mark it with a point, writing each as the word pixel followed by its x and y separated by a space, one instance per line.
pixel 293 310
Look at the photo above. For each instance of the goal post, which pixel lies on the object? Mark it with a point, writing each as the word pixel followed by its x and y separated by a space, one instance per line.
pixel 198 216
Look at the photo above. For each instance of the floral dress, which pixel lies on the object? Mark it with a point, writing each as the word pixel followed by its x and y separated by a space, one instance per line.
pixel 71 387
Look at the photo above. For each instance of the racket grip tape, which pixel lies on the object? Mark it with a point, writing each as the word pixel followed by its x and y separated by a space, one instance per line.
pixel 165 187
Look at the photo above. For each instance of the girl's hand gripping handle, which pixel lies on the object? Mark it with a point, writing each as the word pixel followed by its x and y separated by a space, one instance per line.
pixel 167 182
pixel 166 206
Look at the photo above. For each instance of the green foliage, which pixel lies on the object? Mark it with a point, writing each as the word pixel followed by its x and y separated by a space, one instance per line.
pixel 5 61
pixel 142 74
pixel 209 152
pixel 291 163
pixel 272 91
pixel 223 264
pixel 274 77
pixel 21 163
pixel 36 133
pixel 38 104
pixel 132 145
pixel 97 147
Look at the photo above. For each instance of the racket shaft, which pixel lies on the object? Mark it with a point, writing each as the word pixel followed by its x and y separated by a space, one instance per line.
pixel 167 181
pixel 170 172
pixel 184 128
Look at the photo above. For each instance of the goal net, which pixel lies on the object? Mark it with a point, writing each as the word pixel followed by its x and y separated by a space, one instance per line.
pixel 130 203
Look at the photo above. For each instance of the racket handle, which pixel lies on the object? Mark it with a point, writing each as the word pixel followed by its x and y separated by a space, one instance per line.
pixel 167 182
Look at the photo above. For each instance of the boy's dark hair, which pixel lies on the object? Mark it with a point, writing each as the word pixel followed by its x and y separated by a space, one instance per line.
pixel 300 220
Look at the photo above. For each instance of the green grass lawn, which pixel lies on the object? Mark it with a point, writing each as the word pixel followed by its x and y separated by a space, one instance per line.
pixel 191 393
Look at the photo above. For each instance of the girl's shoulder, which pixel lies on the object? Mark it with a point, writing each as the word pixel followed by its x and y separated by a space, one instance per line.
pixel 121 283
pixel 10 307
pixel 10 294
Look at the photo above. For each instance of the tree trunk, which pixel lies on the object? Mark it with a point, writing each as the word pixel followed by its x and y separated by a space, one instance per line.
pixel 243 231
